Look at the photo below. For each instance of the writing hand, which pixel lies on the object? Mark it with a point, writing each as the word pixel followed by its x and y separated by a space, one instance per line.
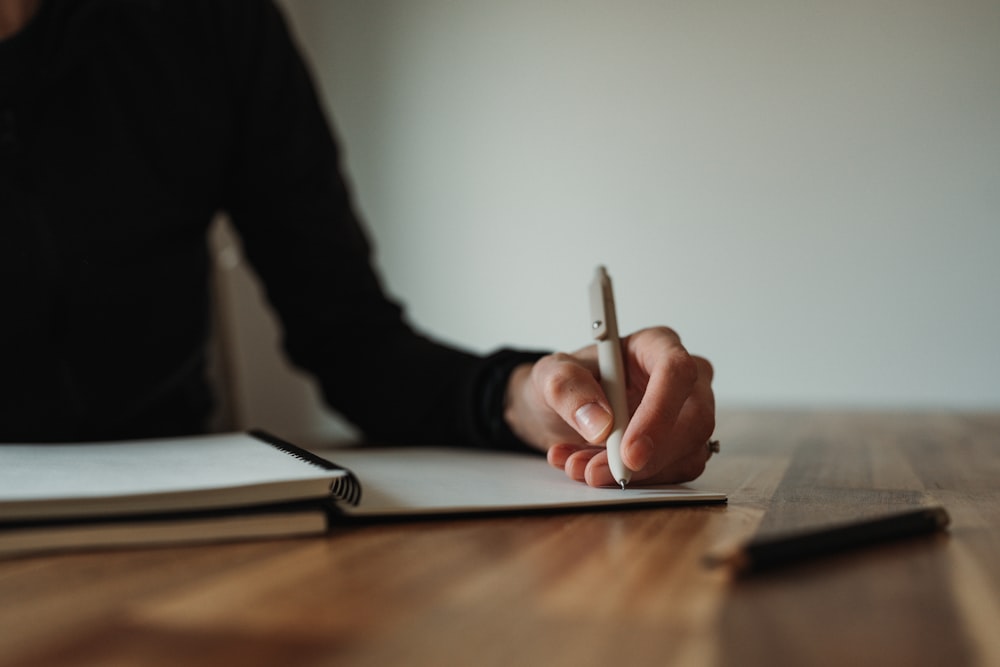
pixel 557 405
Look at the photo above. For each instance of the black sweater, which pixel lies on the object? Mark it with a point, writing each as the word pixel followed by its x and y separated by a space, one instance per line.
pixel 125 126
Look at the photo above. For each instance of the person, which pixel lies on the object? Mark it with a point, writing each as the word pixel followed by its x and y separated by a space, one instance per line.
pixel 125 125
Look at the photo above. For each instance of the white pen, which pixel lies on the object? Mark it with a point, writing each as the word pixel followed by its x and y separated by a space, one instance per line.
pixel 604 323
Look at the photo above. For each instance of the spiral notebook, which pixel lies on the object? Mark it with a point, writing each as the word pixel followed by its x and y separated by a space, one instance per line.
pixel 253 485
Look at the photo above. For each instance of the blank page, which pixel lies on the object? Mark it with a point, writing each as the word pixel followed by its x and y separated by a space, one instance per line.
pixel 420 481
pixel 52 480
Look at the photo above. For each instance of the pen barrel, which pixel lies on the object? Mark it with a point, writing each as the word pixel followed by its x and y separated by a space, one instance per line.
pixel 766 553
pixel 612 368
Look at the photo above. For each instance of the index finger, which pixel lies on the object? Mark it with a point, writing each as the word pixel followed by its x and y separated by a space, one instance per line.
pixel 662 371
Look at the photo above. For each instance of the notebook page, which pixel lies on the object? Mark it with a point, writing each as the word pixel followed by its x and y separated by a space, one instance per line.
pixel 138 472
pixel 422 481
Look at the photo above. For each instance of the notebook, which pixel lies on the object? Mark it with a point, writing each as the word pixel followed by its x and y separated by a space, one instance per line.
pixel 253 485
pixel 428 481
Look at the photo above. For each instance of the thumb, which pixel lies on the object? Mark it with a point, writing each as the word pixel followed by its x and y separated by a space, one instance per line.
pixel 571 391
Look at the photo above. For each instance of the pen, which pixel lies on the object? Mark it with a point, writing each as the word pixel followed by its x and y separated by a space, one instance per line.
pixel 604 324
pixel 765 553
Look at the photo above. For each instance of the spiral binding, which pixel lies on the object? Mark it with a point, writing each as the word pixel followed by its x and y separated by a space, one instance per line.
pixel 346 488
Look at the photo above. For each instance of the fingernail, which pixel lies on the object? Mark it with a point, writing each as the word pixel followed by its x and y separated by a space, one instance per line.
pixel 640 451
pixel 592 421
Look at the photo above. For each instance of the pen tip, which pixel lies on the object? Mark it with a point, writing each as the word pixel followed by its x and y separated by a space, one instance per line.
pixel 622 483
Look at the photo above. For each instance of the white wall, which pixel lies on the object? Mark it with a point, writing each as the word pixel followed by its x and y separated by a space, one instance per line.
pixel 808 191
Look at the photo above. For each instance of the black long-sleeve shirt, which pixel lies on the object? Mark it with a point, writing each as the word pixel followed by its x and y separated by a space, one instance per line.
pixel 125 125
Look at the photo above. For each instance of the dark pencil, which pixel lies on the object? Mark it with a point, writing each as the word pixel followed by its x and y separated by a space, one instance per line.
pixel 765 553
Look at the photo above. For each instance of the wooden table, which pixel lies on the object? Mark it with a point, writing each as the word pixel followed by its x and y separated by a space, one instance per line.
pixel 606 588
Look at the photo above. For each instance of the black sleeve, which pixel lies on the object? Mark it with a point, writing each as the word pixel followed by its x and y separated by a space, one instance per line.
pixel 290 204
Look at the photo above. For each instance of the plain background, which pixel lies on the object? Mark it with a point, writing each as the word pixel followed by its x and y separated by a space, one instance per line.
pixel 809 192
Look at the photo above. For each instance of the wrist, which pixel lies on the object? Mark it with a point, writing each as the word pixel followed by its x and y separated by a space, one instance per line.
pixel 494 396
pixel 516 406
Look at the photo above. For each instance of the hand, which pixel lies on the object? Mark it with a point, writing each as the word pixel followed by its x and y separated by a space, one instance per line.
pixel 557 405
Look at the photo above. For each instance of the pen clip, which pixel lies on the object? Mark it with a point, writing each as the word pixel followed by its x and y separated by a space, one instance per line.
pixel 601 305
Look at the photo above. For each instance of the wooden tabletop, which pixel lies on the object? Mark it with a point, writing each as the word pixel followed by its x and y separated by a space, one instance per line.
pixel 601 588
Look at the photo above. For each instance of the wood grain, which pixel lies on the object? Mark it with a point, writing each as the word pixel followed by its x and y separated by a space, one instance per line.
pixel 616 587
